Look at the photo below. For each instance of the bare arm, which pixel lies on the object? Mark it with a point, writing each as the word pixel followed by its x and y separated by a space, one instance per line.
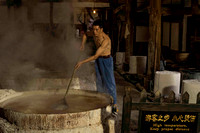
pixel 99 51
pixel 88 33
pixel 83 42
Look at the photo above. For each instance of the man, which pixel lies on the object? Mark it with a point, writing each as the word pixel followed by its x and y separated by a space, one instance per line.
pixel 105 80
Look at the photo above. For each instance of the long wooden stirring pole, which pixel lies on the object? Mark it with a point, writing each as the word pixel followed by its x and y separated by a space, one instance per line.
pixel 74 70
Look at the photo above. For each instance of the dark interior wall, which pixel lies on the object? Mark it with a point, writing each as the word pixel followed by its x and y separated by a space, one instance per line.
pixel 193 40
pixel 141 47
pixel 173 19
pixel 193 30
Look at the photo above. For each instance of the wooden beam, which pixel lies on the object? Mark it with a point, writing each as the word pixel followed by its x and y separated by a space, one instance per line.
pixel 113 31
pixel 116 10
pixel 90 4
pixel 175 11
pixel 154 47
pixel 130 30
pixel 182 11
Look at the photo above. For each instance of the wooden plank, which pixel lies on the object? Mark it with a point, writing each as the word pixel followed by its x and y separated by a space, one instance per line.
pixel 166 107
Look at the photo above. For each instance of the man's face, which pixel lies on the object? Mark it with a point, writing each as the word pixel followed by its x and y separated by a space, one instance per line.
pixel 97 30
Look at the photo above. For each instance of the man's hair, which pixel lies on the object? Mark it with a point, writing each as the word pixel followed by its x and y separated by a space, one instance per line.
pixel 98 23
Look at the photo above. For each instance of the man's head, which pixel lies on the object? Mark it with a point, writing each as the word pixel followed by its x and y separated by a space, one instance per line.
pixel 97 27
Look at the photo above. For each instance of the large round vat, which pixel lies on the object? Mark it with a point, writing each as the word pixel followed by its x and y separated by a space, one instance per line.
pixel 46 111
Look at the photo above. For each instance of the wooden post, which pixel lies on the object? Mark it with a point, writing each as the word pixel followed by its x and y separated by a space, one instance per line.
pixel 113 30
pixel 185 97
pixel 126 114
pixel 171 98
pixel 133 26
pixel 157 97
pixel 198 98
pixel 154 47
pixel 127 35
pixel 143 96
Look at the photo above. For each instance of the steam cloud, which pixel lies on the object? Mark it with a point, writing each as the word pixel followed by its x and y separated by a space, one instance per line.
pixel 26 52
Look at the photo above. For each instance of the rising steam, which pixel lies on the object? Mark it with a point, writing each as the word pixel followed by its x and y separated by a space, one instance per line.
pixel 29 49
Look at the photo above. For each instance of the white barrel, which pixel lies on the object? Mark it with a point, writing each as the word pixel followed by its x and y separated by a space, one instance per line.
pixel 192 86
pixel 165 81
pixel 120 59
pixel 137 64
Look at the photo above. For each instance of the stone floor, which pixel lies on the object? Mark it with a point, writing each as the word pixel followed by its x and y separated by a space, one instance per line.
pixel 121 84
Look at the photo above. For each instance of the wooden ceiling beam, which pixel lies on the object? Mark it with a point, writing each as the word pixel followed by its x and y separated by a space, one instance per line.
pixel 90 4
pixel 168 11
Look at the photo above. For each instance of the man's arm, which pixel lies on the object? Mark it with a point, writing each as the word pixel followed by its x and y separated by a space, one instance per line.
pixel 83 42
pixel 85 35
pixel 99 51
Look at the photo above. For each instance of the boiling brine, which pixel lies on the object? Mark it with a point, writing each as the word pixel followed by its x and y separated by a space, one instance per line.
pixel 54 103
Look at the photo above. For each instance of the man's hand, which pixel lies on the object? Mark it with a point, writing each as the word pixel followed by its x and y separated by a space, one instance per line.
pixel 78 65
